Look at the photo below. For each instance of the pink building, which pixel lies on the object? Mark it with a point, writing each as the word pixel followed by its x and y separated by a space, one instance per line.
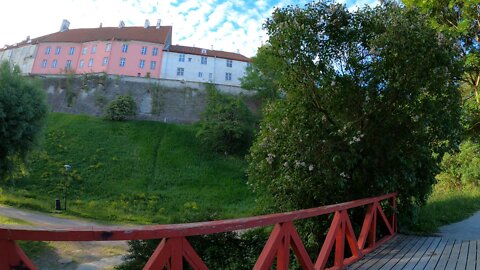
pixel 129 51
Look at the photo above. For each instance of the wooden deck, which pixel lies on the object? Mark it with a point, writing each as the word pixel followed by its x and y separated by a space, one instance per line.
pixel 414 252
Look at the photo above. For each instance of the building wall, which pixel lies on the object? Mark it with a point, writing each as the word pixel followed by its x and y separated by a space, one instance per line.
pixel 23 56
pixel 133 57
pixel 61 58
pixel 213 71
pixel 95 51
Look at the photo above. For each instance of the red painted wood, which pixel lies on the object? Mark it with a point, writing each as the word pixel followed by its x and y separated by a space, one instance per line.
pixel 12 256
pixel 174 249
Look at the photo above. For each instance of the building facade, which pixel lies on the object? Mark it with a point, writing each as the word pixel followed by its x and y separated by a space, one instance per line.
pixel 125 51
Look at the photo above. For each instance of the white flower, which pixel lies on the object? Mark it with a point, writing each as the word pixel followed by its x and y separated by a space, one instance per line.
pixel 343 174
pixel 270 158
pixel 285 164
pixel 310 168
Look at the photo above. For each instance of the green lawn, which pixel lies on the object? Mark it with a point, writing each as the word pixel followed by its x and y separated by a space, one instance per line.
pixel 445 207
pixel 133 171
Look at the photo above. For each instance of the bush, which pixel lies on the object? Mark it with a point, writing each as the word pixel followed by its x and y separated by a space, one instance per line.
pixel 23 110
pixel 227 124
pixel 121 108
pixel 462 169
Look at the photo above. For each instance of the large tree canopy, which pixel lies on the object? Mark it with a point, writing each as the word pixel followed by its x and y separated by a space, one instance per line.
pixel 371 107
pixel 23 110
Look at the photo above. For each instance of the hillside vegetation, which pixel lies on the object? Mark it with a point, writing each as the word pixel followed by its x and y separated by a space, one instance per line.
pixel 133 171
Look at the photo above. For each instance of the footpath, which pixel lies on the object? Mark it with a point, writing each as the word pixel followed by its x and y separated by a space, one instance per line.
pixel 69 255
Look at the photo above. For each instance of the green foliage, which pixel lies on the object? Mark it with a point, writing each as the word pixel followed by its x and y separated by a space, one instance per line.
pixel 158 100
pixel 460 21
pixel 121 108
pixel 131 171
pixel 462 169
pixel 227 124
pixel 70 92
pixel 371 107
pixel 23 110
pixel 263 74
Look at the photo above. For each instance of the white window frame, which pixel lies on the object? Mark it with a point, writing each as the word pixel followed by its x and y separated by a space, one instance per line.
pixel 181 57
pixel 105 61
pixel 144 50
pixel 84 50
pixel 125 47
pixel 54 63
pixel 142 63
pixel 229 63
pixel 123 61
pixel 44 63
pixel 47 50
pixel 180 71
pixel 72 51
pixel 153 65
pixel 90 62
pixel 81 64
pixel 228 76
pixel 204 60
pixel 155 51
pixel 94 49
pixel 108 47
pixel 58 50
pixel 68 65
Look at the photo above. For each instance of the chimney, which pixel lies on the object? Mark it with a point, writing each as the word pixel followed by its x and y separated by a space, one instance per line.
pixel 65 25
pixel 101 25
pixel 159 22
pixel 147 24
pixel 238 51
pixel 121 24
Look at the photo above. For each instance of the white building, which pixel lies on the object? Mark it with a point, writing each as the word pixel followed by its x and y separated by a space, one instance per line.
pixel 21 55
pixel 202 65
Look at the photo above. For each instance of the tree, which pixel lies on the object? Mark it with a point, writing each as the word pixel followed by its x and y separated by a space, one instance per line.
pixel 263 74
pixel 460 20
pixel 226 125
pixel 121 108
pixel 372 104
pixel 23 111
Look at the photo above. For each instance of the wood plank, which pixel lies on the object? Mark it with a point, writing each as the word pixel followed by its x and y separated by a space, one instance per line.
pixel 453 259
pixel 396 240
pixel 407 257
pixel 412 245
pixel 436 255
pixel 395 254
pixel 423 261
pixel 415 259
pixel 463 256
pixel 472 255
pixel 442 262
pixel 375 257
pixel 478 254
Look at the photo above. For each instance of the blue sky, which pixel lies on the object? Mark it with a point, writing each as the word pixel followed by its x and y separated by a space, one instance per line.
pixel 228 25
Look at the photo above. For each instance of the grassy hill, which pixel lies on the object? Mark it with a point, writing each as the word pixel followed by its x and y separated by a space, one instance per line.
pixel 133 171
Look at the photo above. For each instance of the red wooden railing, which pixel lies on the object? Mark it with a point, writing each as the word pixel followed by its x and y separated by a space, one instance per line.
pixel 175 249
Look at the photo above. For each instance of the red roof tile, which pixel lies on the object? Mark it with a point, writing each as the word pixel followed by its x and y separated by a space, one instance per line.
pixel 211 53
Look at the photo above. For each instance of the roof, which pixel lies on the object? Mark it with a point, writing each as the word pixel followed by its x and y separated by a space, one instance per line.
pixel 138 33
pixel 211 53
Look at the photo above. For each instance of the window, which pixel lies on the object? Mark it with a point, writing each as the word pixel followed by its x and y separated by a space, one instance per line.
pixel 125 48
pixel 200 74
pixel 180 71
pixel 44 63
pixel 69 64
pixel 81 64
pixel 228 76
pixel 94 49
pixel 57 51
pixel 204 60
pixel 229 63
pixel 141 64
pixel 54 63
pixel 47 50
pixel 189 59
pixel 144 50
pixel 108 47
pixel 122 62
pixel 72 51
pixel 153 65
pixel 85 49
pixel 90 62
pixel 155 52
pixel 181 58
pixel 105 61
pixel 204 51
pixel 210 76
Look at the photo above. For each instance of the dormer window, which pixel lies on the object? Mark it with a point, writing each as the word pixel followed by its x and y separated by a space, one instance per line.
pixel 204 51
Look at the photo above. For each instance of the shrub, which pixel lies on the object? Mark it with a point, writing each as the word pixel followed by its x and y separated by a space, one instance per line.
pixel 461 169
pixel 121 108
pixel 227 124
pixel 23 110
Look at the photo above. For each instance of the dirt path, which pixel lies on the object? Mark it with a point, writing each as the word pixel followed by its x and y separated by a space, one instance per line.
pixel 70 255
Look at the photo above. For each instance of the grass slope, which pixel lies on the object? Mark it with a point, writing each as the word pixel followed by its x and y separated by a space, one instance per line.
pixel 133 171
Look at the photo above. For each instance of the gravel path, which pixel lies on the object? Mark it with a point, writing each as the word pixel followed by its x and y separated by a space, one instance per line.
pixel 70 255
pixel 468 229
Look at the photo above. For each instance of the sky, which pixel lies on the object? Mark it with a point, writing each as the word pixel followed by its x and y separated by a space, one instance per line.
pixel 228 25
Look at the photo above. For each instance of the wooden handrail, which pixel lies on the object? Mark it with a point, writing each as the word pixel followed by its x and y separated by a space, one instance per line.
pixel 174 234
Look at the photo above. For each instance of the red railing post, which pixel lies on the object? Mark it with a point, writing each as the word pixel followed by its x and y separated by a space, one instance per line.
pixel 12 256
pixel 171 252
